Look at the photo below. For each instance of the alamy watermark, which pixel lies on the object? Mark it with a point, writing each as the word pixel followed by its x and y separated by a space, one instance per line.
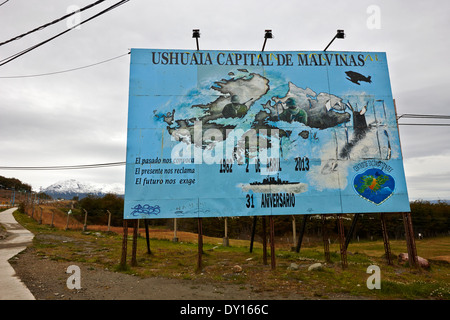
pixel 214 146
pixel 74 281
pixel 374 20
pixel 374 281
pixel 73 22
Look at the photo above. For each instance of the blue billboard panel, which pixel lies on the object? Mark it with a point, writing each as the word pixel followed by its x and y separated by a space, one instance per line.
pixel 234 133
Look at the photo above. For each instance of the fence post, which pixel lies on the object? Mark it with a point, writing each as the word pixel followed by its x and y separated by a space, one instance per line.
pixel 53 215
pixel 68 216
pixel 109 220
pixel 40 217
pixel 85 220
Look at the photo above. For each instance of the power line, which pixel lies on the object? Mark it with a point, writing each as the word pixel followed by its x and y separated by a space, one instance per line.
pixel 64 71
pixel 81 166
pixel 426 124
pixel 425 116
pixel 51 23
pixel 3 3
pixel 17 55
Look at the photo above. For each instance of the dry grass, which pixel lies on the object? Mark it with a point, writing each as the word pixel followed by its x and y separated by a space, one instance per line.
pixel 179 260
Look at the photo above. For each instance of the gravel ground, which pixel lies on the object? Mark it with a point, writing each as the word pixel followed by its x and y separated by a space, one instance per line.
pixel 47 280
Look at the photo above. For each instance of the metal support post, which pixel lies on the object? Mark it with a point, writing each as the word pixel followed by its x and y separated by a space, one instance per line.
pixel 342 241
pixel 253 234
pixel 302 232
pixel 264 240
pixel 200 245
pixel 387 247
pixel 123 260
pixel 352 229
pixel 410 242
pixel 134 248
pixel 147 237
pixel 272 243
pixel 326 244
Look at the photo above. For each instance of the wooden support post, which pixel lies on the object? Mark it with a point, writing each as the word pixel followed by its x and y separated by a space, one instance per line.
pixel 123 260
pixel 147 236
pixel 200 245
pixel 225 240
pixel 294 235
pixel 302 232
pixel 134 248
pixel 85 220
pixel 272 243
pixel 410 242
pixel 264 239
pixel 253 234
pixel 175 229
pixel 352 229
pixel 326 244
pixel 342 241
pixel 387 247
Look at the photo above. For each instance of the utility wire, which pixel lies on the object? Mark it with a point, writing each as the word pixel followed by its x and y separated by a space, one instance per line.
pixel 82 166
pixel 3 3
pixel 64 71
pixel 17 55
pixel 51 23
pixel 426 124
pixel 426 116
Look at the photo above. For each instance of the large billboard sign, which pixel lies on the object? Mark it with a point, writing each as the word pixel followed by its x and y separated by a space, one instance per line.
pixel 240 133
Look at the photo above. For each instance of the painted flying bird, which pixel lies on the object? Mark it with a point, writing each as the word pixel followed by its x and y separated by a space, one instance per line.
pixel 363 110
pixel 355 77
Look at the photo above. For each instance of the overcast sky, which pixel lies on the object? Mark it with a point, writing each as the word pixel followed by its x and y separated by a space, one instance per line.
pixel 80 117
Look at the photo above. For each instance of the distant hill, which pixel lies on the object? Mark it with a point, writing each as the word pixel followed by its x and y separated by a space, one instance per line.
pixel 68 189
pixel 13 183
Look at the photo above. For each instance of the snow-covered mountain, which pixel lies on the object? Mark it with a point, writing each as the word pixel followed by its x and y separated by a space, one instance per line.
pixel 68 189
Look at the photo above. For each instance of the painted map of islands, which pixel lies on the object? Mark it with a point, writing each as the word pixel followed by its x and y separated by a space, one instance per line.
pixel 238 95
